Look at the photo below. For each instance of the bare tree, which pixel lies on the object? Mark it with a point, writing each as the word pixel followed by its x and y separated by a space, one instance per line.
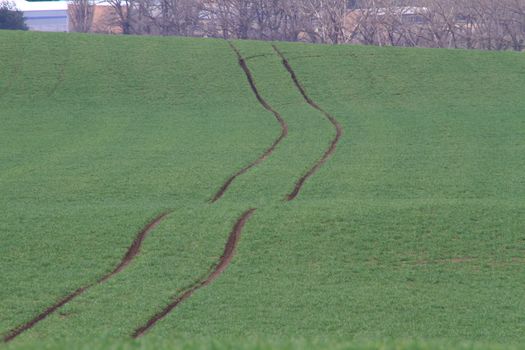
pixel 174 17
pixel 363 25
pixel 231 18
pixel 124 11
pixel 471 24
pixel 328 17
pixel 81 15
pixel 481 24
pixel 281 20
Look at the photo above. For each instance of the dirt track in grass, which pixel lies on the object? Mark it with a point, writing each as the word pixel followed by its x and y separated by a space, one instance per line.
pixel 338 128
pixel 132 252
pixel 269 108
pixel 219 267
pixel 134 249
pixel 229 250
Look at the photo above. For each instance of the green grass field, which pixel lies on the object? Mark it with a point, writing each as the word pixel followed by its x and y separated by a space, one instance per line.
pixel 412 236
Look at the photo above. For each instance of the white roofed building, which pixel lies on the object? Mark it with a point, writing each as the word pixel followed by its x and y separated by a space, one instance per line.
pixel 44 16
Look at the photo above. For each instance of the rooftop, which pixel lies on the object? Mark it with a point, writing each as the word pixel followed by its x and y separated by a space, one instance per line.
pixel 24 6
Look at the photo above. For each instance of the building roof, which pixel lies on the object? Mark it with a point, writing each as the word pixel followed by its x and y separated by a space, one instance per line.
pixel 24 5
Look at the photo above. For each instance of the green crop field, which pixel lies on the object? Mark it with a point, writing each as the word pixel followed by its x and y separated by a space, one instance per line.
pixel 411 235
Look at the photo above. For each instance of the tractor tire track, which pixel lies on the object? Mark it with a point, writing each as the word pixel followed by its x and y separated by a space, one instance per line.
pixel 132 252
pixel 134 249
pixel 229 250
pixel 338 128
pixel 269 108
pixel 220 266
pixel 231 243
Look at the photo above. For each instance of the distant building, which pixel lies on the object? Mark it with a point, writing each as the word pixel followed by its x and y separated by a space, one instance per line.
pixel 45 16
pixel 47 21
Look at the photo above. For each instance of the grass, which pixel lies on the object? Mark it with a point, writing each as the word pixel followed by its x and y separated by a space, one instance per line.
pixel 413 230
pixel 262 343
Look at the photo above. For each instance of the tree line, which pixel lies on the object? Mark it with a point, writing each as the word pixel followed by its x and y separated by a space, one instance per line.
pixel 11 17
pixel 469 24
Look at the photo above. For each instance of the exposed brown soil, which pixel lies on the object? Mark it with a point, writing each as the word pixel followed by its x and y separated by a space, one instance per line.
pixel 134 249
pixel 229 249
pixel 24 327
pixel 338 128
pixel 220 266
pixel 266 105
pixel 132 252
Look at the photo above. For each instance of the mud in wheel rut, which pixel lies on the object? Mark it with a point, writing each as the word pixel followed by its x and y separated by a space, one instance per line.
pixel 337 126
pixel 269 108
pixel 229 250
pixel 131 253
pixel 134 249
pixel 216 271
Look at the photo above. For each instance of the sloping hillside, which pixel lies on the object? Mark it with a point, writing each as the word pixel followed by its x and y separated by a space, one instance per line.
pixel 316 191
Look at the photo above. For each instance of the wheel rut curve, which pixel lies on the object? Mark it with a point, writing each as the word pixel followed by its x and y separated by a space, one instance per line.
pixel 131 253
pixel 337 126
pixel 134 249
pixel 229 250
pixel 216 271
pixel 269 108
